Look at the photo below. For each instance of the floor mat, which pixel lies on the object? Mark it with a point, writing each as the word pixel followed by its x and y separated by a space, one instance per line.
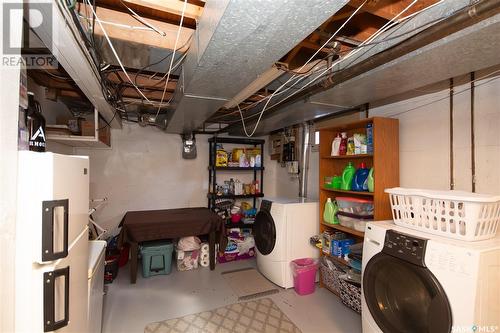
pixel 248 283
pixel 254 316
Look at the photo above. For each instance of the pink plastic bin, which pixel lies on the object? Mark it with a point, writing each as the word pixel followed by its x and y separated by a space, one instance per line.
pixel 304 275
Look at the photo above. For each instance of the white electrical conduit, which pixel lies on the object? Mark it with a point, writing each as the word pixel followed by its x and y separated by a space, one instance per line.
pixel 114 52
pixel 172 59
pixel 143 21
pixel 300 69
pixel 120 25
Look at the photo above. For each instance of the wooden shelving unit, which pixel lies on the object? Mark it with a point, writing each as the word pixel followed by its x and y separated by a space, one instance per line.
pixel 344 229
pixel 384 160
pixel 347 193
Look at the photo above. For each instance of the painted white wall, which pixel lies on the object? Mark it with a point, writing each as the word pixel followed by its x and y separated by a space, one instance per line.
pixel 144 170
pixel 9 97
pixel 425 145
pixel 425 142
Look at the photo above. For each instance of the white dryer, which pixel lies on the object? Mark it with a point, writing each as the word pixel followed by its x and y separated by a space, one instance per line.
pixel 419 282
pixel 282 230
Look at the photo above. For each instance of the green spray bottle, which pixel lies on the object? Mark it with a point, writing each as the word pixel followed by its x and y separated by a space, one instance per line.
pixel 347 177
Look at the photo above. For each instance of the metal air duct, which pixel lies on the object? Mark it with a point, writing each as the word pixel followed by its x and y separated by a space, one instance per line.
pixel 235 42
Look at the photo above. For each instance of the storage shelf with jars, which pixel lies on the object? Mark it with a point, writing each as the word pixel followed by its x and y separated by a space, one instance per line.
pixel 240 155
pixel 371 148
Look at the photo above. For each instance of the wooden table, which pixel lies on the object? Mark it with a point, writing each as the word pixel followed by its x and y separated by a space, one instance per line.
pixel 141 226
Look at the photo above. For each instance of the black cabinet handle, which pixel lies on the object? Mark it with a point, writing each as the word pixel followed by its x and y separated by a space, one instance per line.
pixel 48 207
pixel 49 299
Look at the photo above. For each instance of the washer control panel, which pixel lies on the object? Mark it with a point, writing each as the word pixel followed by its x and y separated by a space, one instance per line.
pixel 405 247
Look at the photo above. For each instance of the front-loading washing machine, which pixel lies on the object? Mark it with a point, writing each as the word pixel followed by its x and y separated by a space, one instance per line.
pixel 282 230
pixel 419 282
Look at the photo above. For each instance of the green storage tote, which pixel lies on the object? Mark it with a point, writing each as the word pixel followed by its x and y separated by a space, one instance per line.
pixel 156 257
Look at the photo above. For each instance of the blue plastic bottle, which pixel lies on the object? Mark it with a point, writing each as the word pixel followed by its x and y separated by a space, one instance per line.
pixel 360 178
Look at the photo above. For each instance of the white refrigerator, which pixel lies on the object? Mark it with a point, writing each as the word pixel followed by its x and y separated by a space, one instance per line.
pixel 52 244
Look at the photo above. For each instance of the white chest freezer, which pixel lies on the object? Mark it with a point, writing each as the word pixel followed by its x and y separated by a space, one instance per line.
pixel 97 253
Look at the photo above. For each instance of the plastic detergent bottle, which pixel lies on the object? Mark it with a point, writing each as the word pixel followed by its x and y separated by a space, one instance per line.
pixel 360 178
pixel 343 144
pixel 336 145
pixel 347 177
pixel 370 181
pixel 328 213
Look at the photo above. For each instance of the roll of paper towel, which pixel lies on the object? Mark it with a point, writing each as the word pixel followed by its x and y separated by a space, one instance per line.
pixel 204 262
pixel 204 256
pixel 204 248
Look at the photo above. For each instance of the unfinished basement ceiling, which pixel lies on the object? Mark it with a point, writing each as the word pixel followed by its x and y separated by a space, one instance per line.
pixel 234 55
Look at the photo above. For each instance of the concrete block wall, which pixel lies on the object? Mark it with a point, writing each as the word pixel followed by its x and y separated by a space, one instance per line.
pixel 144 170
pixel 425 138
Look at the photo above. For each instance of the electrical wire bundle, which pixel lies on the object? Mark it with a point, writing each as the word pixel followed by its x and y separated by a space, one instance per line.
pixel 113 91
pixel 321 73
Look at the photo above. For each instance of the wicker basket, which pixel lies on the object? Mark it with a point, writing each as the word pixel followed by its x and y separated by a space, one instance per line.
pixel 330 277
pixel 350 295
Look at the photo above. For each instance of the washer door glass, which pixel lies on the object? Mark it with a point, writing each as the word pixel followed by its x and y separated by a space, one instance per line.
pixel 403 297
pixel 264 232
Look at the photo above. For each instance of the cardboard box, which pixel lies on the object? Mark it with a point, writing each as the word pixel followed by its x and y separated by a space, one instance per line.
pixel 104 133
pixel 87 128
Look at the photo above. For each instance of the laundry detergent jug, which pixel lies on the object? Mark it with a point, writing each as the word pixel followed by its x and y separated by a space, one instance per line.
pixel 347 177
pixel 359 182
pixel 370 182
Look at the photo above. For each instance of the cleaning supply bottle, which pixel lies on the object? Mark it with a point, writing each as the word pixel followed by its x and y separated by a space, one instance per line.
pixel 360 178
pixel 336 145
pixel 347 176
pixel 370 181
pixel 343 144
pixel 328 213
pixel 369 138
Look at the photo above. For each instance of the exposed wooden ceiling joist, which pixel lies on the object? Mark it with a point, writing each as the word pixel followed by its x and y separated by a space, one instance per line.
pixel 200 3
pixel 117 25
pixel 388 9
pixel 145 10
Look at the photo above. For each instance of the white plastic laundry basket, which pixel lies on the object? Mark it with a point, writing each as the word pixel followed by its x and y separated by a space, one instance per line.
pixel 454 214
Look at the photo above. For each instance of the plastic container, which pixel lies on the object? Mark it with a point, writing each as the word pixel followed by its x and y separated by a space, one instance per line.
pixel 156 257
pixel 337 182
pixel 354 221
pixel 347 177
pixel 343 144
pixel 304 275
pixel 361 207
pixel 336 145
pixel 360 180
pixel 330 212
pixel 360 225
pixel 453 214
pixel 371 181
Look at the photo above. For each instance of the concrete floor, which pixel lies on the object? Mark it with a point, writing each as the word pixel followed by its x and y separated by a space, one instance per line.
pixel 129 308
